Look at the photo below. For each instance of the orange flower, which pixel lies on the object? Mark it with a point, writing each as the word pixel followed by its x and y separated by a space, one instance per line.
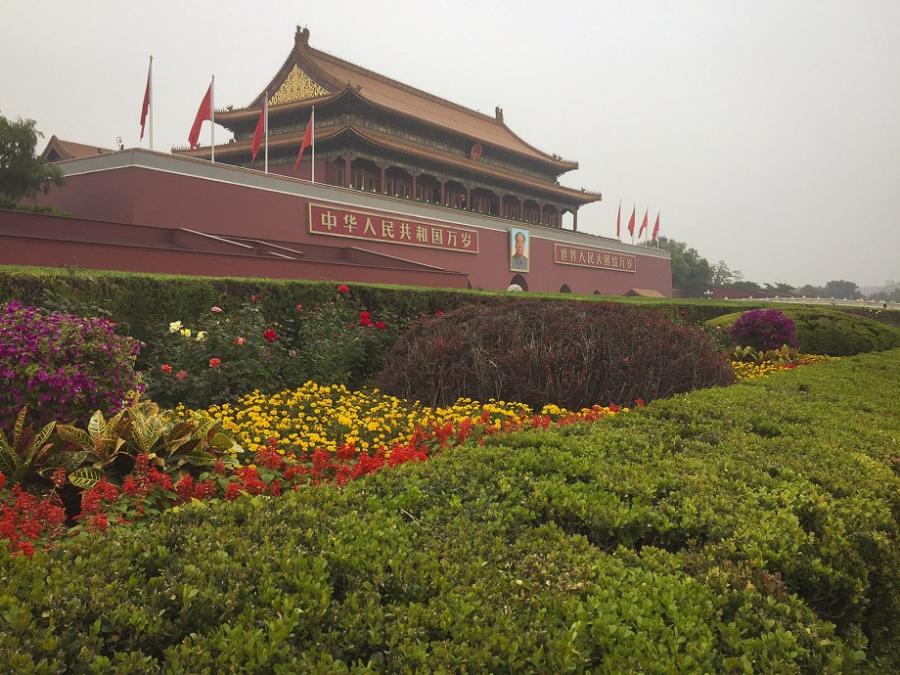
pixel 166 368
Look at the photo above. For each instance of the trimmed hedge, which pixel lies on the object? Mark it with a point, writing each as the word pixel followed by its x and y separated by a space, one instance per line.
pixel 143 303
pixel 751 529
pixel 829 331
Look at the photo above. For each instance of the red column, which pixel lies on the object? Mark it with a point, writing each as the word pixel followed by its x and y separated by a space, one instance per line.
pixel 575 220
pixel 468 198
pixel 348 161
pixel 414 196
pixel 540 214
pixel 443 192
pixel 383 186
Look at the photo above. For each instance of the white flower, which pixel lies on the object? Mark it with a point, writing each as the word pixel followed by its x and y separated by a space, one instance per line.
pixel 175 326
pixel 201 336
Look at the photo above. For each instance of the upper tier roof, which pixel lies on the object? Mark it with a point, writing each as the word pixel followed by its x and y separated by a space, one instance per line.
pixel 309 73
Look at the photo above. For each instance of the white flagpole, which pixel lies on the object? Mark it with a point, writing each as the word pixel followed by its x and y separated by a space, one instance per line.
pixel 313 123
pixel 151 106
pixel 266 128
pixel 212 119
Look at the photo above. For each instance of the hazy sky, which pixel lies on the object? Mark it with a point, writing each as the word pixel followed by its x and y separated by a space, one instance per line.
pixel 766 131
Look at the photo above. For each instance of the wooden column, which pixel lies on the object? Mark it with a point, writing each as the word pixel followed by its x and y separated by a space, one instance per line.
pixel 348 168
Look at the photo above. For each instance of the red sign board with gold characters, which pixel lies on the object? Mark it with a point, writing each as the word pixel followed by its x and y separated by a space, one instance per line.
pixel 338 221
pixel 565 254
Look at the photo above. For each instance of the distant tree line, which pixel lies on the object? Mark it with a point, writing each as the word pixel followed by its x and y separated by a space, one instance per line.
pixel 694 276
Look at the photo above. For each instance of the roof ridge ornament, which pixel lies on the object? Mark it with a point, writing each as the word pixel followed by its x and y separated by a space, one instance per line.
pixel 498 114
pixel 301 36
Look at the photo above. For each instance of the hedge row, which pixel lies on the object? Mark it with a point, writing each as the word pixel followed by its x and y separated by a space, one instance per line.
pixel 747 529
pixel 830 331
pixel 142 303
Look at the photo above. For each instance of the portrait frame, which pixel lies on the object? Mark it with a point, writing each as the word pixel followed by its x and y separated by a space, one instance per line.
pixel 515 263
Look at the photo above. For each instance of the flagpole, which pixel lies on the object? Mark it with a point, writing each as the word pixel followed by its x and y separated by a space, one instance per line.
pixel 313 123
pixel 266 128
pixel 212 119
pixel 151 106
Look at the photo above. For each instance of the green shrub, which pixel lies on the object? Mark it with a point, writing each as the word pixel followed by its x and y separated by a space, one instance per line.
pixel 536 352
pixel 827 331
pixel 748 529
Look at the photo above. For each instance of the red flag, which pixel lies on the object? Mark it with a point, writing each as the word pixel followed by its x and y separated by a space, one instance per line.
pixel 631 222
pixel 656 227
pixel 203 113
pixel 619 220
pixel 145 108
pixel 644 224
pixel 260 129
pixel 307 141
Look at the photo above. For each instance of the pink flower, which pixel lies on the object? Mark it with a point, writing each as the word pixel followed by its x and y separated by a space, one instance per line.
pixel 240 341
pixel 214 362
pixel 270 335
pixel 216 309
pixel 254 298
pixel 298 307
pixel 180 375
pixel 439 313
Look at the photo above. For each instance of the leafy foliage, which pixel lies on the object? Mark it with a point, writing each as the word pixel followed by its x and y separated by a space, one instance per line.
pixel 692 274
pixel 748 529
pixel 567 353
pixel 22 173
pixel 829 331
pixel 764 329
pixel 61 366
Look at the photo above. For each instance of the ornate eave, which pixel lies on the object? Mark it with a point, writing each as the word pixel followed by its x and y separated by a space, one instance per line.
pixel 414 151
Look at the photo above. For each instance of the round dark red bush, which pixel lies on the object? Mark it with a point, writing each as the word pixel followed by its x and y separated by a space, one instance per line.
pixel 573 354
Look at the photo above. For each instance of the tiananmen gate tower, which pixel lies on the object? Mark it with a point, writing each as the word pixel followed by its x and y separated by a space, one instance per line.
pixel 409 188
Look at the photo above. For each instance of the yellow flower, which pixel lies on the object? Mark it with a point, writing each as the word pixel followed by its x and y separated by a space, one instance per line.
pixel 174 327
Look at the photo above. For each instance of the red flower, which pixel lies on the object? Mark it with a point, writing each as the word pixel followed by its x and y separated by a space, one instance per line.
pixel 298 307
pixel 180 375
pixel 166 368
pixel 254 298
pixel 2 480
pixel 365 318
pixel 439 313
pixel 59 477
pixel 380 325
pixel 270 335
pixel 343 289
pixel 214 362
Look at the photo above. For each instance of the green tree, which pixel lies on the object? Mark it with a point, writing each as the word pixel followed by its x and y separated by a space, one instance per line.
pixel 846 290
pixel 691 272
pixel 22 172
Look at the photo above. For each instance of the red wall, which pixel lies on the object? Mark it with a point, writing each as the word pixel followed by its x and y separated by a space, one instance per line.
pixel 148 197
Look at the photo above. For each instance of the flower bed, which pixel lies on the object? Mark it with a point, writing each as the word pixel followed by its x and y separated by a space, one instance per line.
pixel 315 435
pixel 329 417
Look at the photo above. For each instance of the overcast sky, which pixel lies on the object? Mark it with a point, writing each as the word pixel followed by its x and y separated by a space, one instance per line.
pixel 766 131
